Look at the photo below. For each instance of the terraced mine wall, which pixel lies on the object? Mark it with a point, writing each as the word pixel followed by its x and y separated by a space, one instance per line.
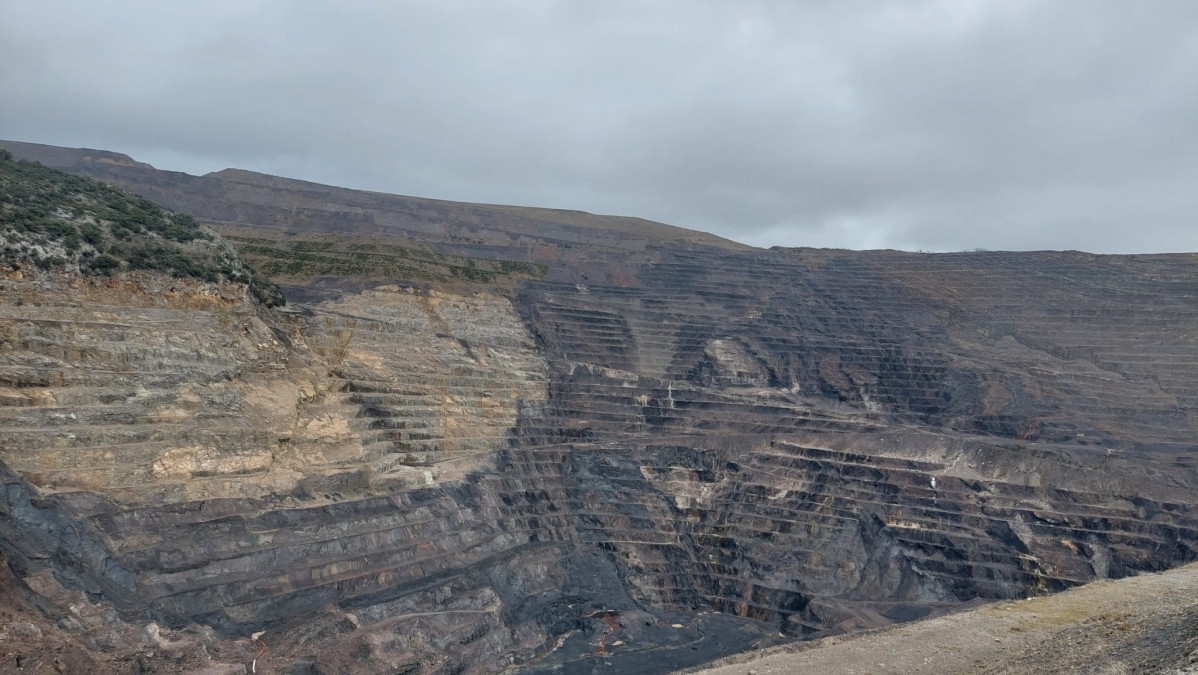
pixel 638 461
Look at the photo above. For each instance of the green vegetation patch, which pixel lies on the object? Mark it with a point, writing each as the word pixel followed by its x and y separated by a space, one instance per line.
pixel 52 219
pixel 344 257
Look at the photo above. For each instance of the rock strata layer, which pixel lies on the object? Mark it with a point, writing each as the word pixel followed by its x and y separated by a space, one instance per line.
pixel 649 453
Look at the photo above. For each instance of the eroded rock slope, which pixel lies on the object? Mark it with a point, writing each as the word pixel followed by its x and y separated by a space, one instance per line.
pixel 520 455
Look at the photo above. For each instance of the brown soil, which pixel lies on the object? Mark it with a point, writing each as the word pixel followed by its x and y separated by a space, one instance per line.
pixel 1143 624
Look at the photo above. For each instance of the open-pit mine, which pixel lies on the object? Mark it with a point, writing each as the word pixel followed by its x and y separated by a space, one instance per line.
pixel 490 439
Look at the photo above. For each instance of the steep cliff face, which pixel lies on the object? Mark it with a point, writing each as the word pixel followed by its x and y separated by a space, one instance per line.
pixel 485 438
pixel 827 438
pixel 225 464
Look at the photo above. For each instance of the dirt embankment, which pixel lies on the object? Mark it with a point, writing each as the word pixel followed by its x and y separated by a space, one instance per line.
pixel 1143 624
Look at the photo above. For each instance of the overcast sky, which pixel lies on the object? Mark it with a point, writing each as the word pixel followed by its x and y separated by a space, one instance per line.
pixel 944 125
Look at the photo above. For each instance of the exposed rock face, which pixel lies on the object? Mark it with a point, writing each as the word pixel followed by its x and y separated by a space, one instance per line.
pixel 828 437
pixel 545 469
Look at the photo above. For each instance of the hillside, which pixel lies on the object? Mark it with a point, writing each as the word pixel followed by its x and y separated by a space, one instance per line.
pixel 277 209
pixel 482 441
pixel 53 220
pixel 1143 624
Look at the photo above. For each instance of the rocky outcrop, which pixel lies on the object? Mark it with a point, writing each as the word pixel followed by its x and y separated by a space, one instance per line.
pixel 639 457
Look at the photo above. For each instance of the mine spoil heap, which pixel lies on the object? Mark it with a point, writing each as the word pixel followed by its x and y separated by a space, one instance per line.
pixel 483 439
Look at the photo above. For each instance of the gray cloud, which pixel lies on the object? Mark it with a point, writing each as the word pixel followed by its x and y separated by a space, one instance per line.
pixel 941 125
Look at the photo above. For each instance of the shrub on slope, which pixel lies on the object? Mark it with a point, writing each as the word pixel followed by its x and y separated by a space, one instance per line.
pixel 51 219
